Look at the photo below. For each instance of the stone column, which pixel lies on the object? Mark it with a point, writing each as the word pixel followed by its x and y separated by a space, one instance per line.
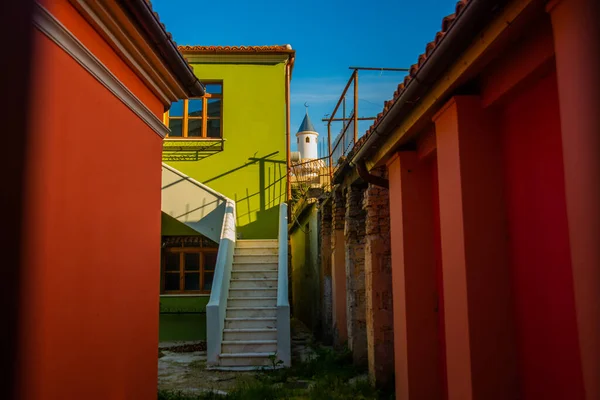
pixel 378 283
pixel 577 47
pixel 325 270
pixel 478 308
pixel 354 233
pixel 338 269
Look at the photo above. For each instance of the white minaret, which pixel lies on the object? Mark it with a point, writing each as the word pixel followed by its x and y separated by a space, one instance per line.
pixel 307 138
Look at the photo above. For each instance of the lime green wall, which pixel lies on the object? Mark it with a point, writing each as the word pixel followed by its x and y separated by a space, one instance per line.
pixel 182 318
pixel 171 227
pixel 251 169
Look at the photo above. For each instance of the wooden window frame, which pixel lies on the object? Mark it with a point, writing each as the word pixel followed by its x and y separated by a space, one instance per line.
pixel 185 118
pixel 202 251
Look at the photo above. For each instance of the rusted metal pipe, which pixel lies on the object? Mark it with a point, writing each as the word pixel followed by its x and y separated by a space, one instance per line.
pixel 342 96
pixel 355 106
pixel 287 132
pixel 346 119
pixel 361 168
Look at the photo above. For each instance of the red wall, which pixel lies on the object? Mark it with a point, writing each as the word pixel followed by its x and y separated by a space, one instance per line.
pixel 64 11
pixel 543 288
pixel 92 232
pixel 439 276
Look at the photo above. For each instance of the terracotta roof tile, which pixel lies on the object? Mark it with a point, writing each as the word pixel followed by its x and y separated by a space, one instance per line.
pixel 447 23
pixel 237 49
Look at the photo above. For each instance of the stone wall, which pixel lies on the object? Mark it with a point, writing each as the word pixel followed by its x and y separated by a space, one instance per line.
pixel 378 282
pixel 354 234
pixel 338 269
pixel 326 334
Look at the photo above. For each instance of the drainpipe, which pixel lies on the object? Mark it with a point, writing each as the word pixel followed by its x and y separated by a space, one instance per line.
pixel 287 131
pixel 475 16
pixel 361 168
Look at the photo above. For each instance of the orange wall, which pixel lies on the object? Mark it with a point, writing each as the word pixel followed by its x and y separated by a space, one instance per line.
pixel 540 257
pixel 78 26
pixel 417 349
pixel 90 289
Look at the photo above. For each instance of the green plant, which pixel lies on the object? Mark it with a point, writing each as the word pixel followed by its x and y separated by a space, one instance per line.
pixel 274 361
pixel 179 395
pixel 256 390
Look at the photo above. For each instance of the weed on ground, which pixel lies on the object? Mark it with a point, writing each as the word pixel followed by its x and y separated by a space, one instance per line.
pixel 325 375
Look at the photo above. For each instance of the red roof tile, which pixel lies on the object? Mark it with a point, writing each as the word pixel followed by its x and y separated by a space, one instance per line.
pixel 287 49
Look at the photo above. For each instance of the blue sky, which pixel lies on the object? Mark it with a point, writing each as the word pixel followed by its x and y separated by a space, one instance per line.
pixel 328 36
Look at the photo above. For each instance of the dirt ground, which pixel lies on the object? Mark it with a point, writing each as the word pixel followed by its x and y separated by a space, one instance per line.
pixel 186 371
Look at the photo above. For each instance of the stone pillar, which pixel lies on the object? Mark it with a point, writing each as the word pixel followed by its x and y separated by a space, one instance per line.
pixel 338 269
pixel 378 283
pixel 418 352
pixel 577 42
pixel 354 233
pixel 325 270
pixel 478 308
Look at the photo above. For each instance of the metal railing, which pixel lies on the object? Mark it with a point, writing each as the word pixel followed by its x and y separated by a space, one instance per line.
pixel 310 174
pixel 342 144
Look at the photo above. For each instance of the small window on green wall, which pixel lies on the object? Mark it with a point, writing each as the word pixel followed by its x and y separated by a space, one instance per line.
pixel 198 118
pixel 187 269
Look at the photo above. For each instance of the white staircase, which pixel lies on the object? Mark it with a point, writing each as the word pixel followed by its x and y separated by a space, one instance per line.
pixel 250 332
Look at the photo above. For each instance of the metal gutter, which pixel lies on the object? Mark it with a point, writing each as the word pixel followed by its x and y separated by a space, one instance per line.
pixel 161 39
pixel 473 18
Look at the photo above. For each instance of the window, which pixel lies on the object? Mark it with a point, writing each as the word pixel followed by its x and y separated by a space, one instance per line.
pixel 199 117
pixel 188 266
pixel 307 139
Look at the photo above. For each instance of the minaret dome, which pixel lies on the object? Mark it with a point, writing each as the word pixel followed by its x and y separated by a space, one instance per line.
pixel 307 138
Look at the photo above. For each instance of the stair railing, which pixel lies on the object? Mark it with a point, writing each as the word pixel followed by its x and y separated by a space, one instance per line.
pixel 217 305
pixel 283 305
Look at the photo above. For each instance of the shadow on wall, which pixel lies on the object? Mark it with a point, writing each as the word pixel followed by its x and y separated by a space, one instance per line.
pixel 257 210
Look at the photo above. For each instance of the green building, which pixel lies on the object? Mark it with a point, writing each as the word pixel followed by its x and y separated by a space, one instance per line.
pixel 228 145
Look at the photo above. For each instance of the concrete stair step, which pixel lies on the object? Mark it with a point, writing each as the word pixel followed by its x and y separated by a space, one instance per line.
pixel 252 292
pixel 256 243
pixel 254 259
pixel 245 359
pixel 251 312
pixel 254 274
pixel 252 301
pixel 250 334
pixel 256 251
pixel 249 346
pixel 237 283
pixel 250 322
pixel 253 266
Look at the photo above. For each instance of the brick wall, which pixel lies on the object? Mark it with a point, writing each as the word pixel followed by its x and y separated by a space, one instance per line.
pixel 338 269
pixel 326 335
pixel 354 234
pixel 378 283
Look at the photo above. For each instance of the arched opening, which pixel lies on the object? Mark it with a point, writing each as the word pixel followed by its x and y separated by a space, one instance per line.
pixel 307 139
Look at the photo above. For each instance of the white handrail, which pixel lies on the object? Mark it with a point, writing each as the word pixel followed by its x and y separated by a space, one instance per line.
pixel 217 305
pixel 283 305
